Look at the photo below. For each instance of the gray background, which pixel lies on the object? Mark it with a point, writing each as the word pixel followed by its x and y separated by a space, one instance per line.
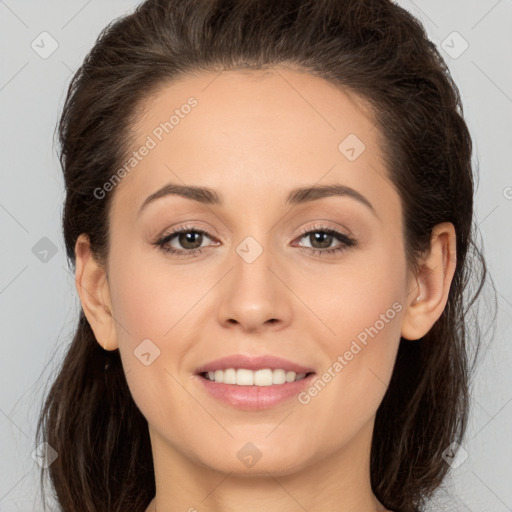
pixel 38 300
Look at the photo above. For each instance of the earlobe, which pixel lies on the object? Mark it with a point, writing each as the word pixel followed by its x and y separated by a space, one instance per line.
pixel 433 282
pixel 92 287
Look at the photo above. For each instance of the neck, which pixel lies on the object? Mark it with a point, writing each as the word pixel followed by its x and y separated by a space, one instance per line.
pixel 338 481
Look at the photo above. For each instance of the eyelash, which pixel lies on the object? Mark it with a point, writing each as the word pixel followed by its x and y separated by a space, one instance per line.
pixel 346 241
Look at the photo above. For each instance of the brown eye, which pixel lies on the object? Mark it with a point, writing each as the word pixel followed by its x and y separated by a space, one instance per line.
pixel 321 241
pixel 190 239
pixel 185 241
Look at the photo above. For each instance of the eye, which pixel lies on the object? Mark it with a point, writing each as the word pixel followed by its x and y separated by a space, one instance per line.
pixel 189 238
pixel 190 241
pixel 321 239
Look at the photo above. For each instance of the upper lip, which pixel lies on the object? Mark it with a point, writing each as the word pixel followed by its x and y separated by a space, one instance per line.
pixel 253 363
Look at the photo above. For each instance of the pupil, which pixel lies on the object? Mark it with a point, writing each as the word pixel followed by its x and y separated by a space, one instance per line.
pixel 324 238
pixel 187 240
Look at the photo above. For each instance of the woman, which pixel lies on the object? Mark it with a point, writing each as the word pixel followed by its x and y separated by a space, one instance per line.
pixel 269 212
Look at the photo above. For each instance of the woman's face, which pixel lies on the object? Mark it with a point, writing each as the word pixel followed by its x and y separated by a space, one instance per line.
pixel 316 278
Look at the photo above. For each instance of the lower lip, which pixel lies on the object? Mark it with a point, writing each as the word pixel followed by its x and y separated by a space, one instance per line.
pixel 254 398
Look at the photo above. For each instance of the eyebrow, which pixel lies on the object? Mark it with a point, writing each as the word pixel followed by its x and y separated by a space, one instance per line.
pixel 296 196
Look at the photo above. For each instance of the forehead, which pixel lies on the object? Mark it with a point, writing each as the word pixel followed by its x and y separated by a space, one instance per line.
pixel 242 131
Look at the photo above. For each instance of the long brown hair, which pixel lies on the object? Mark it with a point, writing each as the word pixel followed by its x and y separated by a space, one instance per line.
pixel 373 48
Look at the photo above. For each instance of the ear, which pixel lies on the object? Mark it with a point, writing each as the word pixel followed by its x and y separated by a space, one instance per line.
pixel 92 286
pixel 428 299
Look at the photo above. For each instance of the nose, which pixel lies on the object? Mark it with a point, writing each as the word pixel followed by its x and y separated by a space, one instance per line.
pixel 254 296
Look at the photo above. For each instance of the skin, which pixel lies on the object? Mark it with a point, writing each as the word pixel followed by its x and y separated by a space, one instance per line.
pixel 253 137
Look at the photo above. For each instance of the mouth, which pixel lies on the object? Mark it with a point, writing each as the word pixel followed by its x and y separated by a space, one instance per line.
pixel 253 383
pixel 254 397
pixel 246 377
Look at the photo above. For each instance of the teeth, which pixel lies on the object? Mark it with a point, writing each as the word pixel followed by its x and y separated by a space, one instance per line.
pixel 229 376
pixel 278 377
pixel 244 377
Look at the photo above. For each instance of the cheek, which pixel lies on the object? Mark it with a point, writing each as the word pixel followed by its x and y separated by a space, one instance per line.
pixel 150 304
pixel 348 392
pixel 148 299
pixel 363 292
pixel 364 311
